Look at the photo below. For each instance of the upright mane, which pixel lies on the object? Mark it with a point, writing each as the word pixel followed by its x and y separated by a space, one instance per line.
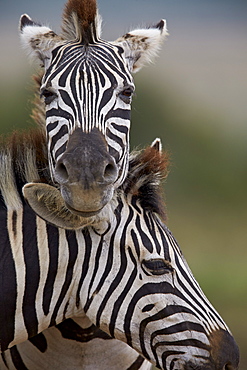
pixel 147 169
pixel 81 21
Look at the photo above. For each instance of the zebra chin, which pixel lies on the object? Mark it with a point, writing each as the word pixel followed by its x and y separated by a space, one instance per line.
pixel 86 203
pixel 86 173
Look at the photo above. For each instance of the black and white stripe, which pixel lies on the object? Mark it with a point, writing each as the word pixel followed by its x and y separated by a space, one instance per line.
pixel 89 84
pixel 127 276
pixel 73 344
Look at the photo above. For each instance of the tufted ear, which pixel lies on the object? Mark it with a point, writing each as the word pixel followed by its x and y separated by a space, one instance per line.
pixel 157 145
pixel 142 45
pixel 47 202
pixel 38 40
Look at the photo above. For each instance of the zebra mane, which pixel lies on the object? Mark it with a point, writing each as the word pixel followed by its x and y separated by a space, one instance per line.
pixel 81 21
pixel 147 169
pixel 27 152
pixel 38 111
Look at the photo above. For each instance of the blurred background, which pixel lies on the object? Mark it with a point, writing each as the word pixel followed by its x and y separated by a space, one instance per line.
pixel 195 99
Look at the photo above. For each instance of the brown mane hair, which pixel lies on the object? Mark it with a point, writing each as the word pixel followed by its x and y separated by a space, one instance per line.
pixel 147 169
pixel 38 110
pixel 28 151
pixel 80 13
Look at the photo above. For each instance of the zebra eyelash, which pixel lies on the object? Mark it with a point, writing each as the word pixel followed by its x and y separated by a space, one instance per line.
pixel 157 266
pixel 126 95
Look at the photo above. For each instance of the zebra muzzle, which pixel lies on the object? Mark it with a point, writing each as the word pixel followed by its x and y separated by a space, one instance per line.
pixel 86 173
pixel 46 201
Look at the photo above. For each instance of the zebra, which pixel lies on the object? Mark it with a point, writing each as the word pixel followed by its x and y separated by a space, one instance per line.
pixel 125 275
pixel 87 88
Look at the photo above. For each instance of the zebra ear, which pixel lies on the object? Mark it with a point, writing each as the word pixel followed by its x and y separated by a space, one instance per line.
pixel 47 202
pixel 38 40
pixel 142 45
pixel 157 145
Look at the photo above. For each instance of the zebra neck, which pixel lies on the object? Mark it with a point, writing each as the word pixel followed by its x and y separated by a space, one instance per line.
pixel 75 343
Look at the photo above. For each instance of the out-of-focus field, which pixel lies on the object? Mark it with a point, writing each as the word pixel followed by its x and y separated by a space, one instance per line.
pixel 194 98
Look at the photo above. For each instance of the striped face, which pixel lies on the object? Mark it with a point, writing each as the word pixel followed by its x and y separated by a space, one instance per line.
pixel 88 88
pixel 145 295
pixel 129 278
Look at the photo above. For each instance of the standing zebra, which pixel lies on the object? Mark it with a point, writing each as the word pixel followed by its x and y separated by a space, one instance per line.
pixel 125 274
pixel 87 88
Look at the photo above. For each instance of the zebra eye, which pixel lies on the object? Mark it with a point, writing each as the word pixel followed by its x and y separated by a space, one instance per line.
pixel 48 96
pixel 157 266
pixel 126 95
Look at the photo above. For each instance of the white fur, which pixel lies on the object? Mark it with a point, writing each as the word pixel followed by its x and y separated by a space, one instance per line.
pixel 30 33
pixel 139 52
pixel 37 43
pixel 158 144
pixel 150 32
pixel 71 28
pixel 140 45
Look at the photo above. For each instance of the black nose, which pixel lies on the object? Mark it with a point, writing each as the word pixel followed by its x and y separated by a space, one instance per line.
pixel 86 161
pixel 224 350
pixel 77 167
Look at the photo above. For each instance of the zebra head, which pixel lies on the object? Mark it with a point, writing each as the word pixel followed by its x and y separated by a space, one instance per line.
pixel 146 294
pixel 127 276
pixel 87 89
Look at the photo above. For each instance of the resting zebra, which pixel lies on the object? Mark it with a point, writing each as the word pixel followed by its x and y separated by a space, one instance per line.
pixel 108 267
pixel 125 274
pixel 87 87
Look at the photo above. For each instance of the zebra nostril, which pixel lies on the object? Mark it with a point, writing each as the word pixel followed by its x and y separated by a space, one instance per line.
pixel 224 350
pixel 110 172
pixel 229 366
pixel 61 172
